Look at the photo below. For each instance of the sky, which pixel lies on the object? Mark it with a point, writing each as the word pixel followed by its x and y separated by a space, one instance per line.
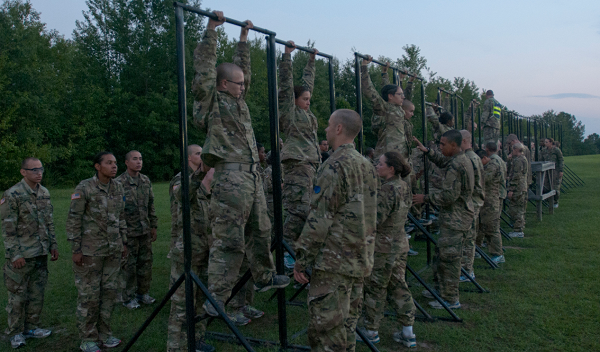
pixel 535 55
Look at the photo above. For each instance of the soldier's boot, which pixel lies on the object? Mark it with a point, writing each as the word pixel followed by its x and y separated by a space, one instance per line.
pixel 276 281
pixel 37 333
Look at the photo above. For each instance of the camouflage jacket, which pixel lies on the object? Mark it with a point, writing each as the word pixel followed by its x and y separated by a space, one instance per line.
pixel 174 185
pixel 199 220
pixel 139 204
pixel 455 198
pixel 502 165
pixel 479 185
pixel 298 126
pixel 339 233
pixel 555 155
pixel 438 128
pixel 223 118
pixel 394 199
pixel 388 122
pixel 487 114
pixel 517 178
pixel 527 154
pixel 27 223
pixel 96 223
pixel 494 178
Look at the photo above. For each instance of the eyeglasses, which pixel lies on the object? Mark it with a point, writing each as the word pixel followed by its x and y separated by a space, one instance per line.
pixel 241 84
pixel 36 170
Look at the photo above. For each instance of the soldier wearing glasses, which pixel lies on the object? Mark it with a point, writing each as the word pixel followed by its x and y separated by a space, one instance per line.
pixel 28 232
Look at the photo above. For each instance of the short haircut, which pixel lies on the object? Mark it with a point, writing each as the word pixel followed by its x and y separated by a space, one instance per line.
pixel 446 117
pixel 397 161
pixel 407 103
pixel 25 162
pixel 321 142
pixel 481 153
pixel 518 146
pixel 225 71
pixel 258 146
pixel 387 90
pixel 465 135
pixel 490 92
pixel 551 140
pixel 369 150
pixel 453 136
pixel 350 120
pixel 511 137
pixel 100 156
pixel 191 147
pixel 299 90
pixel 491 146
pixel 128 155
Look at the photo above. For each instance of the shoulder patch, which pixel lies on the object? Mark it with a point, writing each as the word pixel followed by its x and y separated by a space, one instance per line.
pixel 175 187
pixel 75 196
pixel 317 189
pixel 2 201
pixel 123 198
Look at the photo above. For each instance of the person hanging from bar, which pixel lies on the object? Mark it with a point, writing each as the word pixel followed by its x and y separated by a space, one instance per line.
pixel 337 240
pixel 517 189
pixel 300 157
pixel 387 280
pixel 554 155
pixel 456 215
pixel 490 117
pixel 238 210
pixel 489 215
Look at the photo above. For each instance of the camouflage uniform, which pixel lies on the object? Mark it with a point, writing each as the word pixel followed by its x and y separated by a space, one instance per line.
pixel 140 216
pixel 300 156
pixel 416 184
pixel 436 176
pixel 517 183
pixel 391 250
pixel 268 188
pixel 238 210
pixel 97 229
pixel 388 122
pixel 491 124
pixel 201 239
pixel 555 155
pixel 478 197
pixel 489 225
pixel 28 232
pixel 338 242
pixel 456 217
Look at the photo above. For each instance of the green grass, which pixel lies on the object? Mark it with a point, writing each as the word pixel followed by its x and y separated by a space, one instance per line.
pixel 544 298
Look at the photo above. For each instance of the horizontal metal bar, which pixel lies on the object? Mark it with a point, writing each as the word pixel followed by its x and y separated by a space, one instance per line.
pixel 303 48
pixel 385 64
pixel 445 91
pixel 214 17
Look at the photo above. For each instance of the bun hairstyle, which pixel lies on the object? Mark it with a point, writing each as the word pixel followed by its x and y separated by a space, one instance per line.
pixel 397 161
pixel 446 117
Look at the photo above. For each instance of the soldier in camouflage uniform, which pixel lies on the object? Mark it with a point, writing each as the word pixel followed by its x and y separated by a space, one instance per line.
pixel 300 157
pixel 554 155
pixel 489 222
pixel 517 190
pixel 28 233
pixel 391 250
pixel 440 125
pixel 478 197
pixel 338 238
pixel 490 117
pixel 456 214
pixel 136 270
pixel 238 214
pixel 97 230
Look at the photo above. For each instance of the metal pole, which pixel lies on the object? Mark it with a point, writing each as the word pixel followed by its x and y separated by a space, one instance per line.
pixel 425 171
pixel 359 100
pixel 537 147
pixel 214 17
pixel 331 87
pixel 278 216
pixel 473 127
pixel 480 129
pixel 502 132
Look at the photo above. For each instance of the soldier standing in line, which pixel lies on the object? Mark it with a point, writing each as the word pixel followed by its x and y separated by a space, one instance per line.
pixel 489 225
pixel 97 231
pixel 391 250
pixel 490 117
pixel 517 190
pixel 455 200
pixel 554 155
pixel 338 238
pixel 478 198
pixel 28 232
pixel 136 271
pixel 324 148
pixel 300 157
pixel 238 213
pixel 511 140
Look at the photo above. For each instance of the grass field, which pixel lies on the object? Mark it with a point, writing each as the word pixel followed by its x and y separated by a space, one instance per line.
pixel 544 298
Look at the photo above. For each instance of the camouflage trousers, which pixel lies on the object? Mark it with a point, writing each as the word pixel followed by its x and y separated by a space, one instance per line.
pixel 469 245
pixel 334 306
pixel 416 209
pixel 446 263
pixel 491 134
pixel 136 269
pixel 97 283
pixel 297 191
pixel 489 226
pixel 388 280
pixel 240 227
pixel 177 325
pixel 556 182
pixel 25 288
pixel 516 210
pixel 245 295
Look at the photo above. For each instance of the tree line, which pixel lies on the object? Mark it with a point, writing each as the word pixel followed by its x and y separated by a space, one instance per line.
pixel 113 86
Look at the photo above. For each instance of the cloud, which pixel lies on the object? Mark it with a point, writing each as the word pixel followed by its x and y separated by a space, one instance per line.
pixel 568 95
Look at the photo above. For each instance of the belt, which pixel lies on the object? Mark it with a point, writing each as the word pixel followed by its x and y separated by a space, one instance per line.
pixel 236 167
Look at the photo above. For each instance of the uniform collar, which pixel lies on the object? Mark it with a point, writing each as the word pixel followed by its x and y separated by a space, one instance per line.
pixel 101 186
pixel 347 146
pixel 28 189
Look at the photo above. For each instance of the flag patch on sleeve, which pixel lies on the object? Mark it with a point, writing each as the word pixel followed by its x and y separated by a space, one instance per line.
pixel 75 196
pixel 175 187
pixel 2 201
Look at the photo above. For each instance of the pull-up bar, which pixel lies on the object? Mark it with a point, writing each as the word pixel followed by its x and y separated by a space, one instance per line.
pixel 303 48
pixel 211 15
pixel 385 64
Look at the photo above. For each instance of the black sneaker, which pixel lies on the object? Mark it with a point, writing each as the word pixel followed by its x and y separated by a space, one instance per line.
pixel 276 281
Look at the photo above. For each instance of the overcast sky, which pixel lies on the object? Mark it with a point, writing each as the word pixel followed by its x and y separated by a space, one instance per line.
pixel 535 55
